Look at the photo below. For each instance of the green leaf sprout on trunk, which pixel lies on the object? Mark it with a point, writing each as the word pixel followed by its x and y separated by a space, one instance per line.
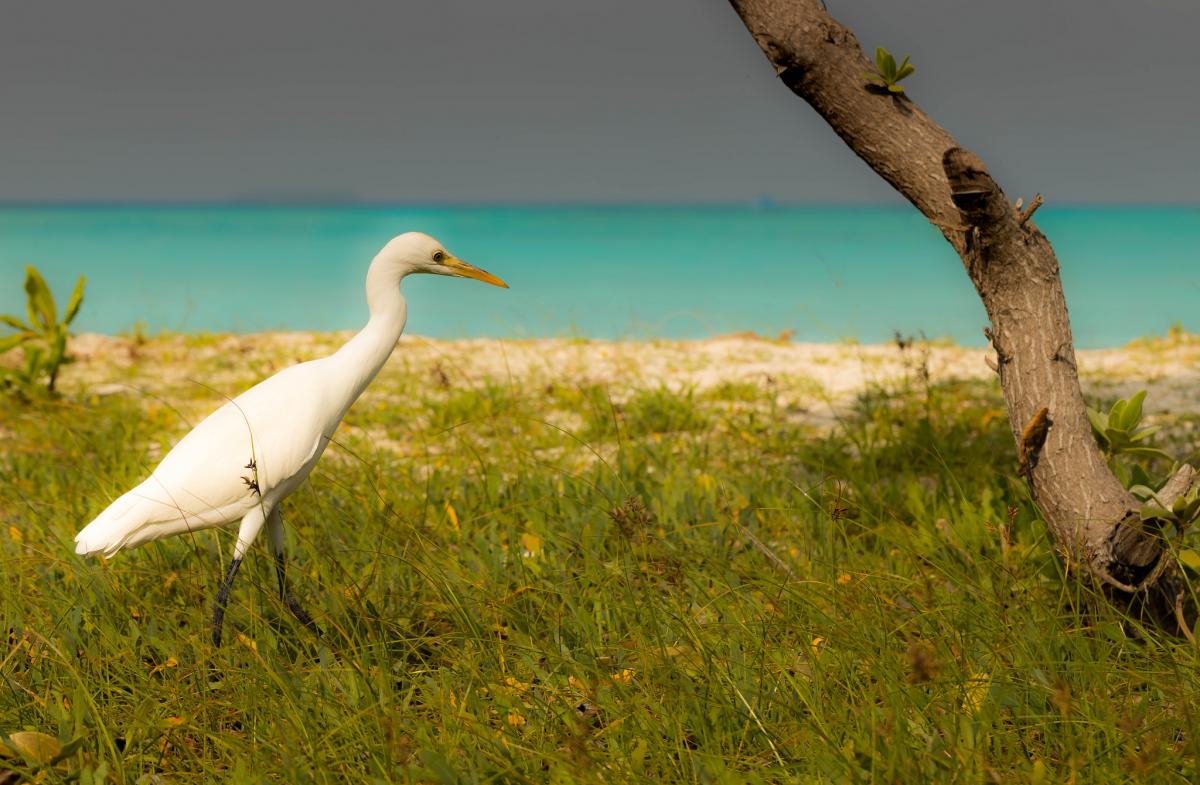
pixel 887 75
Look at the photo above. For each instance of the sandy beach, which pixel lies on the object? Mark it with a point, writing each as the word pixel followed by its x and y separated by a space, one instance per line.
pixel 808 380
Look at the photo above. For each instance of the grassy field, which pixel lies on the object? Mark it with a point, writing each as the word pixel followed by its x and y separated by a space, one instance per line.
pixel 531 580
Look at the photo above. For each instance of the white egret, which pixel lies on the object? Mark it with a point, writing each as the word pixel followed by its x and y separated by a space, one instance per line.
pixel 243 460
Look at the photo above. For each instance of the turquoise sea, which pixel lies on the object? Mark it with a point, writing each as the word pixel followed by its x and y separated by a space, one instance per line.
pixel 828 273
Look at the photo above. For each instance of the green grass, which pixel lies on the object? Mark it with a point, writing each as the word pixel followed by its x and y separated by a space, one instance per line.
pixel 550 584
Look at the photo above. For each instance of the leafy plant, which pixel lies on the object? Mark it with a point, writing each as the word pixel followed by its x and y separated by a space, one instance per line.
pixel 1182 513
pixel 1118 433
pixel 41 754
pixel 43 337
pixel 887 75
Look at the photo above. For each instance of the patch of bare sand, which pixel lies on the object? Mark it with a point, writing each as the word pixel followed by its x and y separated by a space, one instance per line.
pixel 819 377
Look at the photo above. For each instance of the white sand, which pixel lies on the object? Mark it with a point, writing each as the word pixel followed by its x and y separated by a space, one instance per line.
pixel 824 374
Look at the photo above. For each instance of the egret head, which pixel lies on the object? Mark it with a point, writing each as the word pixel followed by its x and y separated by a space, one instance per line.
pixel 415 252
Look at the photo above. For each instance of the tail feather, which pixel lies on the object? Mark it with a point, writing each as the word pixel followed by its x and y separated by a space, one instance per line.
pixel 109 531
pixel 148 513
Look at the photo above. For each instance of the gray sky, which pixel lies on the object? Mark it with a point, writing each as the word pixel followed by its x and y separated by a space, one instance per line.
pixel 552 100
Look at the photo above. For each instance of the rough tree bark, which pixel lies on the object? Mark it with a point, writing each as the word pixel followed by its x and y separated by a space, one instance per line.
pixel 1094 521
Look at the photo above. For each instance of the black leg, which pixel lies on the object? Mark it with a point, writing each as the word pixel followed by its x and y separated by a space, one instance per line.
pixel 289 600
pixel 222 599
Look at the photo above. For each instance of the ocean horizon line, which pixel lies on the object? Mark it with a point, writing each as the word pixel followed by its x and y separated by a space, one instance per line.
pixel 765 203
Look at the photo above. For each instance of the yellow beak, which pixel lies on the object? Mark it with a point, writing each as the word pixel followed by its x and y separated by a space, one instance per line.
pixel 463 270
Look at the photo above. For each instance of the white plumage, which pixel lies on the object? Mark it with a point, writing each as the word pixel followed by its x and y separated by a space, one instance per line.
pixel 244 459
pixel 269 436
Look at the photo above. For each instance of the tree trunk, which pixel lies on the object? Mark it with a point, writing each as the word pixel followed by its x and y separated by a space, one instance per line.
pixel 1094 521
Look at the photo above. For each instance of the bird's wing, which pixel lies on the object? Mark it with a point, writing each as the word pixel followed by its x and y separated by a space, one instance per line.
pixel 224 466
pixel 252 444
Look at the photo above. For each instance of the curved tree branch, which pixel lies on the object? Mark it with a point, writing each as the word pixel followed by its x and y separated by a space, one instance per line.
pixel 1093 519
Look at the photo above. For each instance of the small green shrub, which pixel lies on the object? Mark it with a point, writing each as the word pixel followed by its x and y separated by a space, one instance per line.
pixel 663 411
pixel 44 337
pixel 736 392
pixel 1118 433
pixel 1120 437
pixel 594 405
pixel 473 404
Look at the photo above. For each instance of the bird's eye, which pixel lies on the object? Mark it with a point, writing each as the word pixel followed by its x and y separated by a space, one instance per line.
pixel 439 256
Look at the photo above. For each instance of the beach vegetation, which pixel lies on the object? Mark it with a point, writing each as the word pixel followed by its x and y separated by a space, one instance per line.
pixel 659 410
pixel 138 333
pixel 1176 337
pixel 702 594
pixel 1119 432
pixel 42 336
pixel 732 391
pixel 483 403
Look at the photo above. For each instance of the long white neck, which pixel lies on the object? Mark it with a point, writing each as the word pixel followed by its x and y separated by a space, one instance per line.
pixel 361 358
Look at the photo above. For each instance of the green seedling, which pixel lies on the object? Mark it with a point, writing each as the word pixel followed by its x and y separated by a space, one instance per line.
pixel 887 75
pixel 44 336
